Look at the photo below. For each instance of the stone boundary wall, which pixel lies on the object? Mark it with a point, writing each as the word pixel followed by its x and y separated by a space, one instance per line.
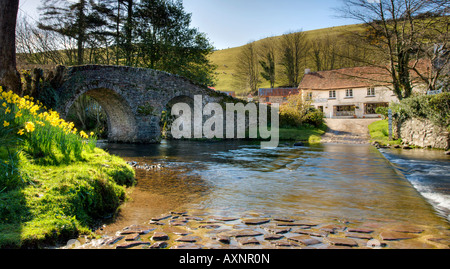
pixel 423 133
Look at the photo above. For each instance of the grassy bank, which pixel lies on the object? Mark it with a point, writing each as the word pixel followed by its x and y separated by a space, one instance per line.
pixel 60 202
pixel 54 183
pixel 304 133
pixel 379 132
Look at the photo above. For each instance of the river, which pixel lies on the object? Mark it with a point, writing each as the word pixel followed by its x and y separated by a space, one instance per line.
pixel 325 182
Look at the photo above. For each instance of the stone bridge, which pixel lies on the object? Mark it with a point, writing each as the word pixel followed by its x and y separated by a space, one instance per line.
pixel 133 98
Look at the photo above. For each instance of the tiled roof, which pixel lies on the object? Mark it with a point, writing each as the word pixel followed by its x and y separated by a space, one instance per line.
pixel 277 92
pixel 356 77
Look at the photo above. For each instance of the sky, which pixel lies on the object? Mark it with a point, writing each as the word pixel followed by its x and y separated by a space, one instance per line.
pixel 233 23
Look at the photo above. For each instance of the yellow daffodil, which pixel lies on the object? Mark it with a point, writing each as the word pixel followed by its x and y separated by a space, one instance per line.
pixel 20 132
pixel 30 127
pixel 5 124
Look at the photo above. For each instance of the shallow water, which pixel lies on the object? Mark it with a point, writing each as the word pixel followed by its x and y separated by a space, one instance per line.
pixel 428 171
pixel 329 181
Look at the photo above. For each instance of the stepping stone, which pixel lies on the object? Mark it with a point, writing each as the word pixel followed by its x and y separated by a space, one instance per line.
pixel 188 246
pixel 311 233
pixel 278 230
pixel 178 223
pixel 390 236
pixel 161 244
pixel 358 235
pixel 132 244
pixel 225 219
pixel 301 224
pixel 156 223
pixel 162 217
pixel 360 230
pixel 113 240
pixel 193 218
pixel 283 220
pixel 342 242
pixel 305 240
pixel 132 237
pixel 223 239
pixel 273 237
pixel 255 221
pixel 188 239
pixel 245 233
pixel 328 230
pixel 285 243
pixel 338 247
pixel 160 236
pixel 248 241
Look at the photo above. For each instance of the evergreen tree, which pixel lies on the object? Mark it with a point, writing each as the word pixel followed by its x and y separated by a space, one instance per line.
pixel 76 19
pixel 167 42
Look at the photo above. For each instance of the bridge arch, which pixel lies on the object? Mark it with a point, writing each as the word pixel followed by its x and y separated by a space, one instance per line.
pixel 121 121
pixel 133 98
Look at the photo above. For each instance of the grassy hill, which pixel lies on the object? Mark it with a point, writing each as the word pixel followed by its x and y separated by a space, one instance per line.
pixel 226 60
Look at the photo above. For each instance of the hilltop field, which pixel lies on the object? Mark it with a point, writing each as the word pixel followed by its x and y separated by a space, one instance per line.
pixel 226 59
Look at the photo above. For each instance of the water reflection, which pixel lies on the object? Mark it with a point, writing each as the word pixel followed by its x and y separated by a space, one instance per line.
pixel 231 178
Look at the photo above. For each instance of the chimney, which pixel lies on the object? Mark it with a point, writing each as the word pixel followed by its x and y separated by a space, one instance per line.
pixel 307 71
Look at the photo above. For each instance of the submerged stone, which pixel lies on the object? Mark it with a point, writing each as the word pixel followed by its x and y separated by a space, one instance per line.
pixel 160 236
pixel 342 242
pixel 255 221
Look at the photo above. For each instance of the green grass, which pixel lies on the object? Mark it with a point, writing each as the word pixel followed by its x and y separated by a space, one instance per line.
pixel 61 202
pixel 307 133
pixel 379 132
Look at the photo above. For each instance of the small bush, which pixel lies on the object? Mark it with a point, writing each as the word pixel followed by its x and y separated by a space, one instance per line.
pixel 299 111
pixel 436 108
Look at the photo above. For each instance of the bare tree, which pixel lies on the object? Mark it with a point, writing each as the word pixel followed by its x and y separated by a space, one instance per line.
pixel 397 31
pixel 248 71
pixel 267 55
pixel 324 53
pixel 293 49
pixel 9 77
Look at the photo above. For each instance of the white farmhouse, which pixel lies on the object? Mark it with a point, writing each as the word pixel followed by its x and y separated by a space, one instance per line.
pixel 349 92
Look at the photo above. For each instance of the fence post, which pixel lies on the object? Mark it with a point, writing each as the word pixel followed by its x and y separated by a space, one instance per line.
pixel 390 124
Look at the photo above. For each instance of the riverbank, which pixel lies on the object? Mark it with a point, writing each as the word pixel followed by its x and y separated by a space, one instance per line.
pixel 309 134
pixel 63 201
pixel 379 133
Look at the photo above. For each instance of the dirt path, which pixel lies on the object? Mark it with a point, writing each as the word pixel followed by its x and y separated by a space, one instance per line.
pixel 348 131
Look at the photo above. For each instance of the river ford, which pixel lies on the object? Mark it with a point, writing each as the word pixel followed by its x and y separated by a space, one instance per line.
pixel 193 194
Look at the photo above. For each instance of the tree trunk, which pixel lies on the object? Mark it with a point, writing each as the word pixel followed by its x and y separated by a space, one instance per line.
pixel 9 77
pixel 81 32
pixel 129 34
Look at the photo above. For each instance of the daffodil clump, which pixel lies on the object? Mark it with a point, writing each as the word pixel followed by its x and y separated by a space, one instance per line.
pixel 41 133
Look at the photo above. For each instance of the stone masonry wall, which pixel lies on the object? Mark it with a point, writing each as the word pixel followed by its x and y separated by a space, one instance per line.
pixel 423 133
